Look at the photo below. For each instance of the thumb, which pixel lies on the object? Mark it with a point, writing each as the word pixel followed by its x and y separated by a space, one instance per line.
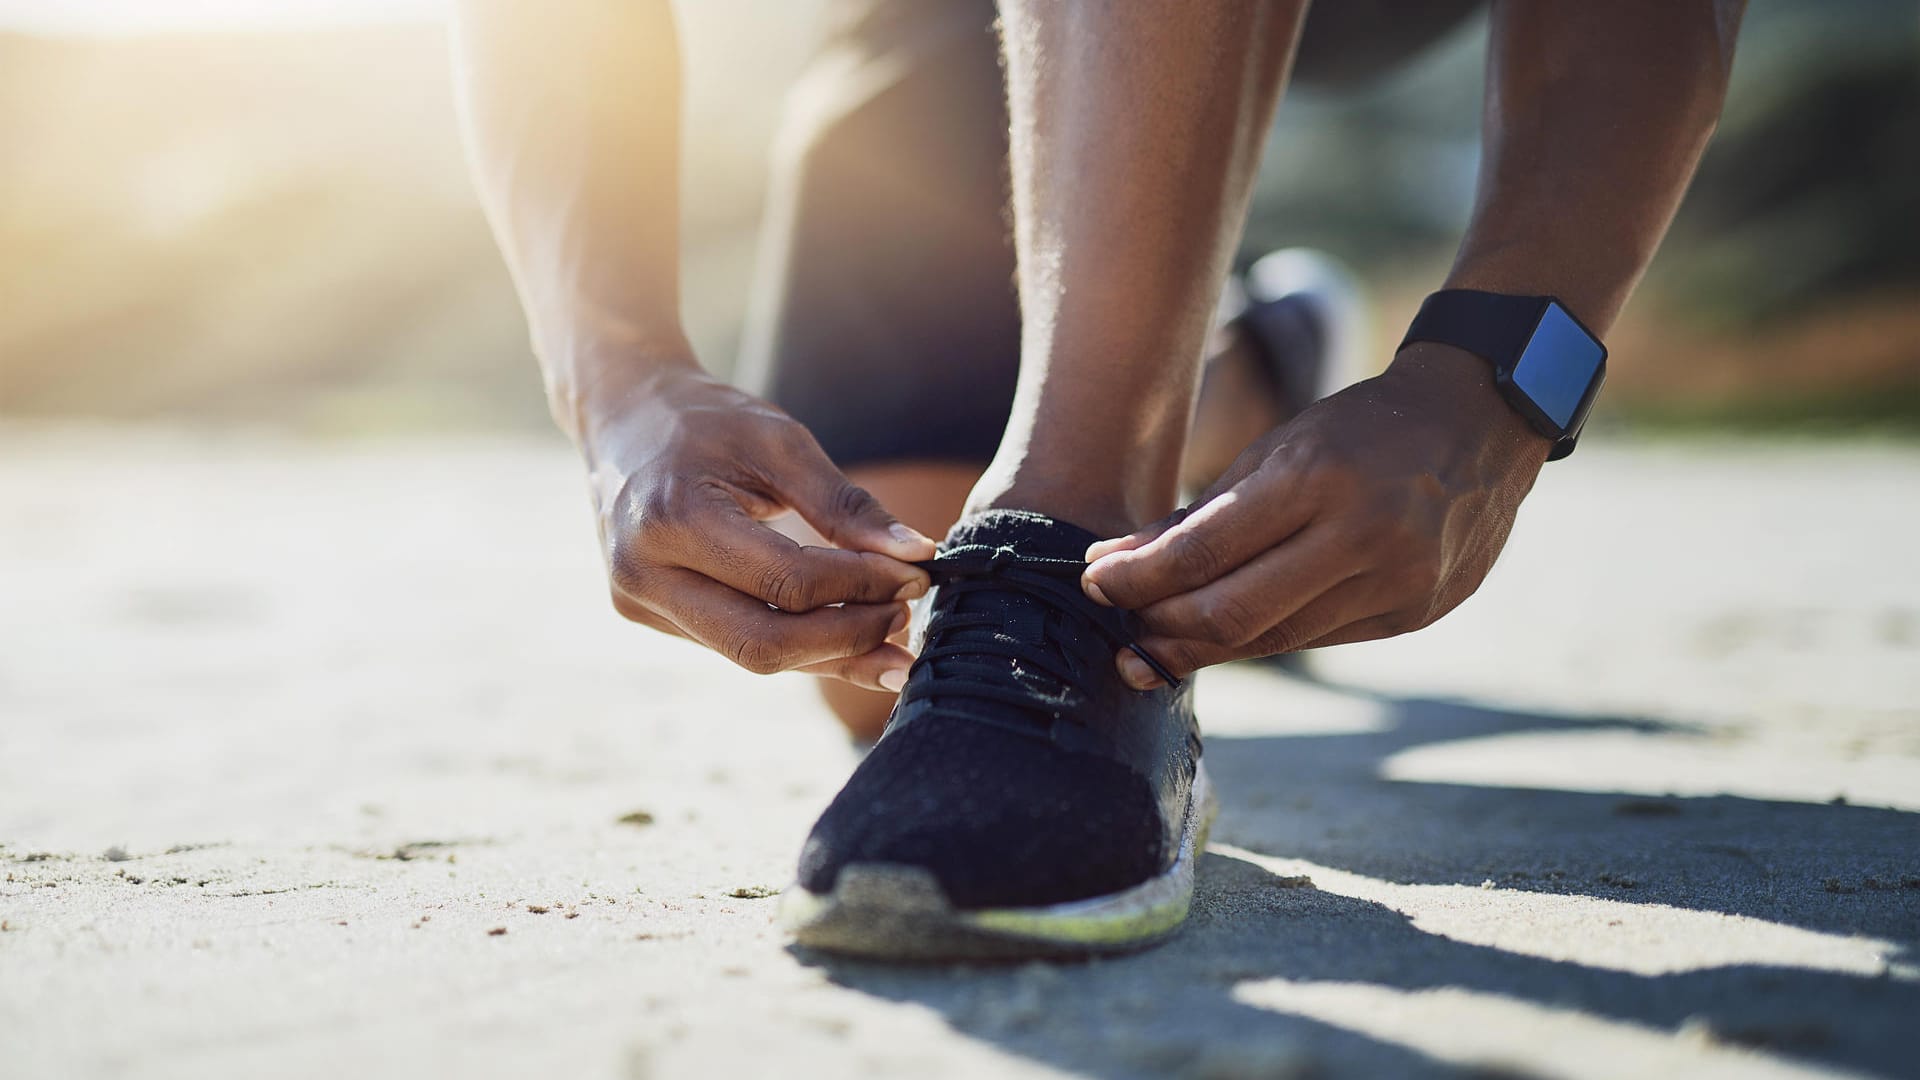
pixel 846 514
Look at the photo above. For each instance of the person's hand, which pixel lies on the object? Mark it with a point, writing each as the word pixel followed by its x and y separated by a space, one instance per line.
pixel 686 471
pixel 1372 513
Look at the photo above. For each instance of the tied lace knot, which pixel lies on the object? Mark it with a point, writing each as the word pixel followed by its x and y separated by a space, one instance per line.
pixel 977 560
pixel 1055 583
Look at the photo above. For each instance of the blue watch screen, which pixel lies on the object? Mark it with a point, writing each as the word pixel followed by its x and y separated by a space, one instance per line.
pixel 1558 365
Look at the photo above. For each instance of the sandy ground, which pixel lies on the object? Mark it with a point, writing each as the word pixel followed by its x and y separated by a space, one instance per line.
pixel 333 760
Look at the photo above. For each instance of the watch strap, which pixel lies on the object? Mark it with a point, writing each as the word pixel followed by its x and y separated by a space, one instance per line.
pixel 1493 326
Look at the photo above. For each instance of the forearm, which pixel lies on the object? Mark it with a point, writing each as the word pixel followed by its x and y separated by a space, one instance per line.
pixel 571 112
pixel 1596 115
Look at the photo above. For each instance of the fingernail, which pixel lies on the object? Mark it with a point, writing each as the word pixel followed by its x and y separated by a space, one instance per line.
pixel 1136 672
pixel 906 536
pixel 1093 593
pixel 1096 551
pixel 893 679
pixel 899 622
pixel 912 590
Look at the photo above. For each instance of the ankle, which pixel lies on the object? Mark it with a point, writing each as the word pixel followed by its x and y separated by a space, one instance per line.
pixel 1104 512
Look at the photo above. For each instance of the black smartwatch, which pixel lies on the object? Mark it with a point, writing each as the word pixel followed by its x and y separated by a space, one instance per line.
pixel 1547 365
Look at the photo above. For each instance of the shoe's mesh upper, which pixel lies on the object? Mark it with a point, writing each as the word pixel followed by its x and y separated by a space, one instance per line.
pixel 997 811
pixel 1001 819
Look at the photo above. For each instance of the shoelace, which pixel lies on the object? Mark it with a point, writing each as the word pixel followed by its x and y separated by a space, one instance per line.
pixel 1056 583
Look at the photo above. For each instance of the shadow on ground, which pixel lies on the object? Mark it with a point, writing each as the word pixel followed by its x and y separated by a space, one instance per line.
pixel 1834 869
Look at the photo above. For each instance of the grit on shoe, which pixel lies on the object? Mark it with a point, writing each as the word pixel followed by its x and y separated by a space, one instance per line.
pixel 913 368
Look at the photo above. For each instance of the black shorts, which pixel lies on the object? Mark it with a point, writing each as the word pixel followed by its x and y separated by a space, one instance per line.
pixel 884 316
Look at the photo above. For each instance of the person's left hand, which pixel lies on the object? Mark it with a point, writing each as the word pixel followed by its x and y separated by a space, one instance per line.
pixel 1372 513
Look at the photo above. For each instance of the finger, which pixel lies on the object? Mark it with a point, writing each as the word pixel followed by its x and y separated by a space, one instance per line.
pixel 634 611
pixel 1246 603
pixel 1347 603
pixel 1212 541
pixel 844 512
pixel 752 557
pixel 764 639
pixel 1389 625
pixel 884 669
pixel 903 633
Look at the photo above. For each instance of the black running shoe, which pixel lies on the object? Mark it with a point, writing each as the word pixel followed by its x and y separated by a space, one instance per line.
pixel 1023 801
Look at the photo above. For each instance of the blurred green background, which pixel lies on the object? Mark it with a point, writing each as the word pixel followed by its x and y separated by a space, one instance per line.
pixel 261 216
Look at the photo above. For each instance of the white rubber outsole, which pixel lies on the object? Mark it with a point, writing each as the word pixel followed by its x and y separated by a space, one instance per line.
pixel 897 912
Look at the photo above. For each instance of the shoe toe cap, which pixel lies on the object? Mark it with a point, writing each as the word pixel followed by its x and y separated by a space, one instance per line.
pixel 1000 819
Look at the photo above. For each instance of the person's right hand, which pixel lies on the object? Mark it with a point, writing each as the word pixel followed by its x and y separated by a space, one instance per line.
pixel 686 472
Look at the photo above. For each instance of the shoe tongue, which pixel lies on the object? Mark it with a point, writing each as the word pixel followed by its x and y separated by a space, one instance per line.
pixel 1019 616
pixel 1024 531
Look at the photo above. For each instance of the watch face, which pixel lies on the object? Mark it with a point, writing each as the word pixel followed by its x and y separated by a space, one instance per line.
pixel 1558 365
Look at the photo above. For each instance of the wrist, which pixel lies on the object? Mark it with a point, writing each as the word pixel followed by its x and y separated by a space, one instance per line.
pixel 1462 388
pixel 594 394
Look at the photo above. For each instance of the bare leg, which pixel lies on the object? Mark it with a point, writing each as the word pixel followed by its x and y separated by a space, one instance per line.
pixel 1134 193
